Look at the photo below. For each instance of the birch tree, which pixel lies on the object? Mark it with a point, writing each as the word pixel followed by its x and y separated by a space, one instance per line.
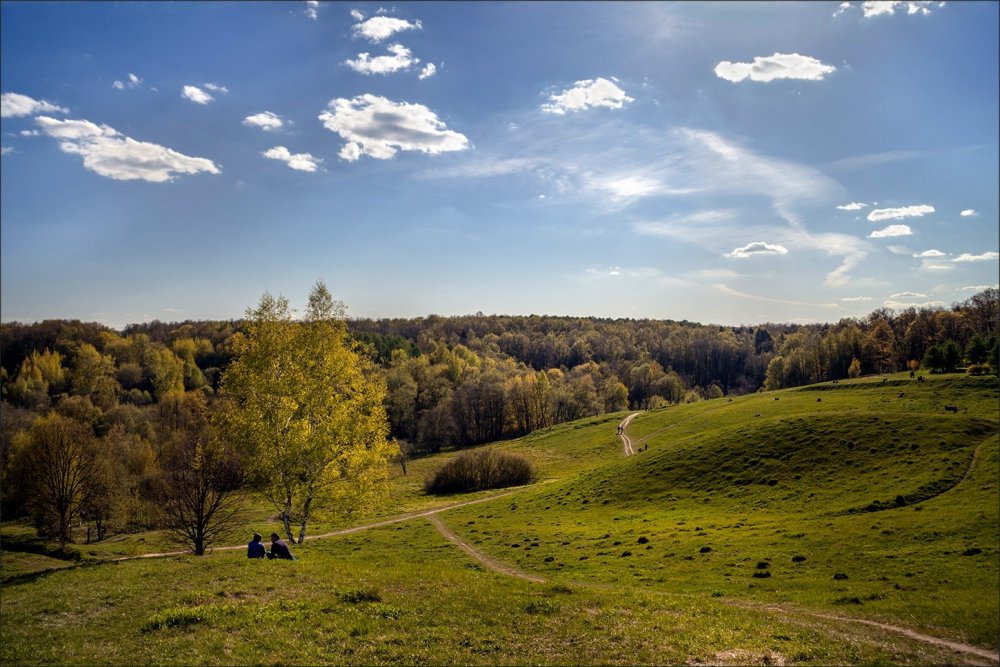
pixel 308 408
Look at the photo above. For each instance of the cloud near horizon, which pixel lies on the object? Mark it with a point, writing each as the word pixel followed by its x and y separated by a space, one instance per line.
pixel 109 153
pixel 378 127
pixel 778 66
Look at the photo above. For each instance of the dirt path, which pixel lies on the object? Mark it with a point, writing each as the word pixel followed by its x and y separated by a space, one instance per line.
pixel 492 564
pixel 333 533
pixel 626 440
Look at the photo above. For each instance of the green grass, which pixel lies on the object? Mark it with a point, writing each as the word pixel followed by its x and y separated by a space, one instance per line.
pixel 647 560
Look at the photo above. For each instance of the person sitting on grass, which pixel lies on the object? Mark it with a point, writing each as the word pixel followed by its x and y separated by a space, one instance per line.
pixel 256 548
pixel 279 549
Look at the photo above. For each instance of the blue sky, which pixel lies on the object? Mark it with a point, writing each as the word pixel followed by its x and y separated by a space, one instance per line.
pixel 721 163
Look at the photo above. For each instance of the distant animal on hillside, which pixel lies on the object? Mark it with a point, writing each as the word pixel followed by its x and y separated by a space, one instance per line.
pixel 951 408
pixel 819 400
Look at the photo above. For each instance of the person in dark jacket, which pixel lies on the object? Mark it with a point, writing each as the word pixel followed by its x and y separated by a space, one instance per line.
pixel 256 548
pixel 279 549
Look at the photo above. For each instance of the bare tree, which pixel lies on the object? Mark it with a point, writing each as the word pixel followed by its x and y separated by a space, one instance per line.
pixel 202 493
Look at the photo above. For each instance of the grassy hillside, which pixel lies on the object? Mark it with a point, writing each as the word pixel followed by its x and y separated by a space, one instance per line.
pixel 725 541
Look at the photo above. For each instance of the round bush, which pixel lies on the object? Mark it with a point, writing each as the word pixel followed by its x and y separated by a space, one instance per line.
pixel 488 468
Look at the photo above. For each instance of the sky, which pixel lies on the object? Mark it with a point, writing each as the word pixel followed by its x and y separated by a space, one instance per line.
pixel 723 163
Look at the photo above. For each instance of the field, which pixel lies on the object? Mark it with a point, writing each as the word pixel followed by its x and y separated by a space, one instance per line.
pixel 843 523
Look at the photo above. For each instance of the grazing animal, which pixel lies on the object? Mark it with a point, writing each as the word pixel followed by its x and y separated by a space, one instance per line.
pixel 819 400
pixel 951 408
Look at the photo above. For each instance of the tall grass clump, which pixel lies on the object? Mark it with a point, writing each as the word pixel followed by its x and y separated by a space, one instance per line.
pixel 488 468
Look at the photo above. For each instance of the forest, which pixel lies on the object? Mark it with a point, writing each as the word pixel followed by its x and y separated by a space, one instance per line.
pixel 131 399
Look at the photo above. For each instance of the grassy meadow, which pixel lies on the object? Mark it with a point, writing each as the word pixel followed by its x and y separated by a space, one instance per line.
pixel 744 531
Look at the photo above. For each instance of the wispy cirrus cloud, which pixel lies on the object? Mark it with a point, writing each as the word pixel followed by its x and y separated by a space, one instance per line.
pixel 132 81
pixel 378 127
pixel 929 253
pixel 109 153
pixel 14 105
pixel 297 161
pixel 587 94
pixel 916 211
pixel 856 298
pixel 778 66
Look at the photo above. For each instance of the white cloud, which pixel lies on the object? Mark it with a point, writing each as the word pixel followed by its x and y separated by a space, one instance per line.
pixel 133 81
pixel 401 59
pixel 622 186
pixel 109 153
pixel 891 231
pixel 299 161
pixel 378 28
pixel 930 253
pixel 216 88
pixel 13 105
pixel 265 120
pixel 856 298
pixel 312 9
pixel 985 257
pixel 937 267
pixel 6 150
pixel 880 214
pixel 357 16
pixel 899 250
pixel 585 94
pixel 196 95
pixel 898 305
pixel 427 72
pixel 758 248
pixel 907 295
pixel 978 288
pixel 29 133
pixel 874 8
pixel 968 212
pixel 853 206
pixel 777 66
pixel 378 127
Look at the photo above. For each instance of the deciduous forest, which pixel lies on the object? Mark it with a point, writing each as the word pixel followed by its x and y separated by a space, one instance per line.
pixel 115 408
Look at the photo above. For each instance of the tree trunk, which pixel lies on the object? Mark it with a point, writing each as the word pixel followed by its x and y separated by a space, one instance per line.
pixel 305 518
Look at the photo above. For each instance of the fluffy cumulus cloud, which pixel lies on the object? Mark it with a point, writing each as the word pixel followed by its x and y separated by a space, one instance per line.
pixel 379 28
pixel 427 72
pixel 265 120
pixel 758 248
pixel 107 152
pixel 312 9
pixel 984 257
pixel 891 231
pixel 777 66
pixel 853 206
pixel 874 8
pixel 299 161
pixel 968 213
pixel 929 253
pixel 196 95
pixel 401 59
pixel 13 105
pixel 586 94
pixel 881 214
pixel 375 126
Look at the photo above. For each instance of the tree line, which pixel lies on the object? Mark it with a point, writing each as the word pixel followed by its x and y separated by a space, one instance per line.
pixel 141 406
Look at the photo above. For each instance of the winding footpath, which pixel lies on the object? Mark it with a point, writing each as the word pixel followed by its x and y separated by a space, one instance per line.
pixel 628 447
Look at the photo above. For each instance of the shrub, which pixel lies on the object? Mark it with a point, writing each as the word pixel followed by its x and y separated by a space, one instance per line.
pixel 360 595
pixel 488 468
pixel 978 369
